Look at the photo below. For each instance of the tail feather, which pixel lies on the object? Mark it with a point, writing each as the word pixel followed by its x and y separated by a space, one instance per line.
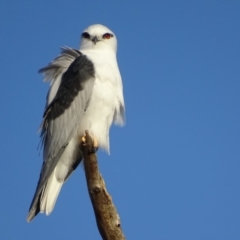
pixel 50 194
pixel 44 199
pixel 52 178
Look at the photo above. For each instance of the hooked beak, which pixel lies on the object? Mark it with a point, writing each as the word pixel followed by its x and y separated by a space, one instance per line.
pixel 95 40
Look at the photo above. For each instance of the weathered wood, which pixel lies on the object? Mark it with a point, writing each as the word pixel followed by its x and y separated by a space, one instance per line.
pixel 107 218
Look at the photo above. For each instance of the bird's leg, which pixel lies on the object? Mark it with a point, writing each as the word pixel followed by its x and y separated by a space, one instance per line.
pixel 94 142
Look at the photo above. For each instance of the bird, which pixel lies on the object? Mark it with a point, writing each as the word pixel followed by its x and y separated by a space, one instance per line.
pixel 85 93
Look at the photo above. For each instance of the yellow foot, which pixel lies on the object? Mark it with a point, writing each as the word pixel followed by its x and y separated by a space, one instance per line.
pixel 83 139
pixel 94 142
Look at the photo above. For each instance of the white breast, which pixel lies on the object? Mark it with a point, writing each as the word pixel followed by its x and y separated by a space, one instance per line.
pixel 106 97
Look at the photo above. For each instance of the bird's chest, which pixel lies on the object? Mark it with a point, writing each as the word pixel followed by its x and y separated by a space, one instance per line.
pixel 104 98
pixel 98 116
pixel 106 82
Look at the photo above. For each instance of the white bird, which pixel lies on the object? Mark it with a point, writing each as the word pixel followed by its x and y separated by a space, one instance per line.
pixel 86 93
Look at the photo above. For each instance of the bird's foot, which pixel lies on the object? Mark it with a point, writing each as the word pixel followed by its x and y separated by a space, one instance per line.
pixel 83 139
pixel 94 143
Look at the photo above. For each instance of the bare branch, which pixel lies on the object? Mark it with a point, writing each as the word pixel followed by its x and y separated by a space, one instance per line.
pixel 107 218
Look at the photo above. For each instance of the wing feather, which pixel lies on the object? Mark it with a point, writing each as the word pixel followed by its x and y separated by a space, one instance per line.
pixel 63 115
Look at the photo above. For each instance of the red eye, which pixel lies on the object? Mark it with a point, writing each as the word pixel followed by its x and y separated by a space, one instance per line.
pixel 107 36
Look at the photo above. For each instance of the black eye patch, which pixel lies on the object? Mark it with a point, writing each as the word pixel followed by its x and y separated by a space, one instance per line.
pixel 86 35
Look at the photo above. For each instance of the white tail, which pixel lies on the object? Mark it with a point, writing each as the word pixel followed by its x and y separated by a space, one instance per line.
pixel 50 194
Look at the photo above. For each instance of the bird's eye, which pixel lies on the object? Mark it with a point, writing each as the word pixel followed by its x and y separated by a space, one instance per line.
pixel 86 35
pixel 107 36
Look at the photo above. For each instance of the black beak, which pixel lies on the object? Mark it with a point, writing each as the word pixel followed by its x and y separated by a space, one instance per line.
pixel 95 40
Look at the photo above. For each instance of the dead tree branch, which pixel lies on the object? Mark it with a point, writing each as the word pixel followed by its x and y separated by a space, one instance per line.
pixel 107 218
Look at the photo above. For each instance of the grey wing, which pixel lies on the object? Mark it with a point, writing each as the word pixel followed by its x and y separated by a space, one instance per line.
pixel 62 117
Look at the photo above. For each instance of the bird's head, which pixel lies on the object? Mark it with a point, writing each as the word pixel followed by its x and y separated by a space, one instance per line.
pixel 98 37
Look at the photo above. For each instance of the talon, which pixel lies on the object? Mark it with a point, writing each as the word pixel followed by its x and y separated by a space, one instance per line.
pixel 83 139
pixel 94 143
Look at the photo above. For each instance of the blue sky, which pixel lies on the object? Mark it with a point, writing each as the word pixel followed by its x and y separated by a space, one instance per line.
pixel 173 171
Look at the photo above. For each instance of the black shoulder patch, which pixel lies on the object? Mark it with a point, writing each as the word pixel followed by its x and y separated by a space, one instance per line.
pixel 80 70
